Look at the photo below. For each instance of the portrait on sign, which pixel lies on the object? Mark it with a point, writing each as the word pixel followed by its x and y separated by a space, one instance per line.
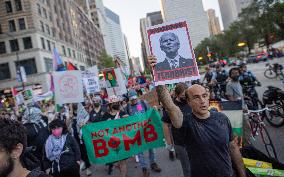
pixel 171 44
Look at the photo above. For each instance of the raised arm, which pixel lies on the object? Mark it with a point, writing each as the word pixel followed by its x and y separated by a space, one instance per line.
pixel 174 112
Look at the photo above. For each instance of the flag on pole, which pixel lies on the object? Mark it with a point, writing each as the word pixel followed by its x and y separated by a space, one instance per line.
pixel 71 67
pixel 57 61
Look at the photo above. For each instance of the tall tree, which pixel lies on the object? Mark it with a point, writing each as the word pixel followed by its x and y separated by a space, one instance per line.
pixel 106 60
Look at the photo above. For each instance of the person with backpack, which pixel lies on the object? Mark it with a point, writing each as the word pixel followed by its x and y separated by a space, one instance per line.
pixel 37 133
pixel 137 106
pixel 61 152
pixel 13 143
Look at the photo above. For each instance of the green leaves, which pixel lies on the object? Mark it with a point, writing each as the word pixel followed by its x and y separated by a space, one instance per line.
pixel 106 61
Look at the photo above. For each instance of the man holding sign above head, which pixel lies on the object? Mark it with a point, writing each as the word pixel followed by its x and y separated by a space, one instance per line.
pixel 208 136
pixel 169 43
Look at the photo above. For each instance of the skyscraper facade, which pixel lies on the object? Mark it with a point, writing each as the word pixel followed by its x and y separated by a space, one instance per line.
pixel 193 12
pixel 153 18
pixel 214 25
pixel 30 30
pixel 230 10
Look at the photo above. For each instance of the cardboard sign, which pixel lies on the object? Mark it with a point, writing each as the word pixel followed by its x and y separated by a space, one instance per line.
pixel 91 80
pixel 114 140
pixel 68 87
pixel 170 43
pixel 151 98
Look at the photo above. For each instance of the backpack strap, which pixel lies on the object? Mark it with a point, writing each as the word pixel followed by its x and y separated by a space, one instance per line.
pixel 144 105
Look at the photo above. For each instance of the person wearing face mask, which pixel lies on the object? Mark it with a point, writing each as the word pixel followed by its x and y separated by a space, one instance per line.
pixel 61 152
pixel 97 112
pixel 178 134
pixel 114 112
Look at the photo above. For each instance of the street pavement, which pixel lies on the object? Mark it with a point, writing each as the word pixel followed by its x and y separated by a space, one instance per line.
pixel 173 168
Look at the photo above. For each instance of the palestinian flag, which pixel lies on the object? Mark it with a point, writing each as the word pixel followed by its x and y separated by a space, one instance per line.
pixel 110 78
pixel 71 67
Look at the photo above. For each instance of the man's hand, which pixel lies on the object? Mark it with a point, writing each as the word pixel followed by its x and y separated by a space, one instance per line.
pixel 152 60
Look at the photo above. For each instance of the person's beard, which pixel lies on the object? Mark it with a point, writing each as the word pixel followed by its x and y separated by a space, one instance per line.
pixel 6 167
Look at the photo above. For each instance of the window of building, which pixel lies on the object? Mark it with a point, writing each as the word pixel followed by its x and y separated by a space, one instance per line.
pixel 27 42
pixel 55 9
pixel 48 3
pixel 1 32
pixel 48 45
pixel 69 52
pixel 47 29
pixel 63 50
pixel 29 65
pixel 42 42
pixel 42 26
pixel 2 47
pixel 22 24
pixel 12 26
pixel 14 45
pixel 44 13
pixel 50 17
pixel 74 54
pixel 4 71
pixel 38 9
pixel 48 64
pixel 8 5
pixel 53 32
pixel 18 5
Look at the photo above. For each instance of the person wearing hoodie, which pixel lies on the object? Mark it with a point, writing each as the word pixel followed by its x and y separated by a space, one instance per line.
pixel 61 152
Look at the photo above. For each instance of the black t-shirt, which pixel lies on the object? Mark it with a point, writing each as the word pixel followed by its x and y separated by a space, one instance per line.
pixel 108 116
pixel 208 145
pixel 179 134
pixel 36 173
pixel 96 116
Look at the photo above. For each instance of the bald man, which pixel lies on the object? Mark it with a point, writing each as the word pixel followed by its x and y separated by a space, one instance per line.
pixel 169 43
pixel 208 135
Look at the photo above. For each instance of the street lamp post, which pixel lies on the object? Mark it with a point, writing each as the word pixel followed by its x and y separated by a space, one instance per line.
pixel 18 68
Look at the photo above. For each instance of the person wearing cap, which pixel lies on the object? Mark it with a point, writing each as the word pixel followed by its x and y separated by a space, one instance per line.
pixel 97 112
pixel 114 112
pixel 137 106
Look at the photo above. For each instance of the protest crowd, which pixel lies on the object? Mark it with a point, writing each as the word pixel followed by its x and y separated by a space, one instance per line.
pixel 122 120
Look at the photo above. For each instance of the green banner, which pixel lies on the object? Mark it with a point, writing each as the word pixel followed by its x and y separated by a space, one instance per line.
pixel 266 172
pixel 114 140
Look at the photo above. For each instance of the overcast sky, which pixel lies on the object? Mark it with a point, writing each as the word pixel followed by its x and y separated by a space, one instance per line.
pixel 131 11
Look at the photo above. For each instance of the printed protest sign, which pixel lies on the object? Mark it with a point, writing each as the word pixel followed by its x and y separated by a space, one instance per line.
pixel 46 96
pixel 170 43
pixel 91 80
pixel 68 87
pixel 115 82
pixel 114 140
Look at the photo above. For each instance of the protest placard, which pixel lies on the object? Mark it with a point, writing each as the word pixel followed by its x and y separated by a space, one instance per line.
pixel 114 140
pixel 82 115
pixel 170 43
pixel 91 80
pixel 68 87
pixel 151 98
pixel 115 82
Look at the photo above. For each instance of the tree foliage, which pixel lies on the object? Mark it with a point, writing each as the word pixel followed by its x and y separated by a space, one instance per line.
pixel 106 61
pixel 260 23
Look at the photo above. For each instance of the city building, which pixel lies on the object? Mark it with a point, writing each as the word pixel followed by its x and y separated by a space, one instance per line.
pixel 153 18
pixel 136 64
pixel 31 29
pixel 230 10
pixel 214 25
pixel 109 24
pixel 193 12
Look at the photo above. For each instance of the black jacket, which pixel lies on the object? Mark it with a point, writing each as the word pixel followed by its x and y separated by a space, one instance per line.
pixel 68 159
pixel 165 65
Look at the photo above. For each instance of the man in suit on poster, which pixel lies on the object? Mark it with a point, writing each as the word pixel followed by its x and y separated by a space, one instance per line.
pixel 169 43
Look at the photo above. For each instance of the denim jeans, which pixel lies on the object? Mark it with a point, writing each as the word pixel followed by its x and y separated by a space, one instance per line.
pixel 143 163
